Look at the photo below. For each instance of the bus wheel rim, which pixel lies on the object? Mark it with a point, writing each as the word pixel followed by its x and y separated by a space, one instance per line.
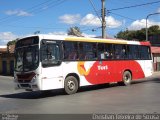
pixel 127 78
pixel 71 85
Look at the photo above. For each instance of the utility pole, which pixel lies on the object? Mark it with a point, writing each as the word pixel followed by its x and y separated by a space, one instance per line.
pixel 103 19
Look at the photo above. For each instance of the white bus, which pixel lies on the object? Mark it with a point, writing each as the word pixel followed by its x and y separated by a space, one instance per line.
pixel 47 62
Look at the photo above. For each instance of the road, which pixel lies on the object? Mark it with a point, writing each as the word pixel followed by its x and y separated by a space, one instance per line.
pixel 140 97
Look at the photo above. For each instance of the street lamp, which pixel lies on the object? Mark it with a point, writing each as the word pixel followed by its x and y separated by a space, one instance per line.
pixel 146 23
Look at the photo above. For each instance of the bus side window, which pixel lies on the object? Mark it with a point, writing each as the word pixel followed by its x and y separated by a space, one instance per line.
pixel 144 52
pixel 118 50
pixel 105 51
pixel 50 55
pixel 87 51
pixel 108 51
pixel 70 50
pixel 134 52
pixel 101 50
pixel 124 52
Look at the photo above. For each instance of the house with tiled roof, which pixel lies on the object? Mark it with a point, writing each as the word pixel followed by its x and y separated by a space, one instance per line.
pixel 155 49
pixel 6 60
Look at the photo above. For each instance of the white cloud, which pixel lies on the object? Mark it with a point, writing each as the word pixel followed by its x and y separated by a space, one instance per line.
pixel 139 24
pixel 65 34
pixel 58 33
pixel 112 22
pixel 89 20
pixel 158 10
pixel 70 19
pixel 5 37
pixel 18 13
pixel 92 20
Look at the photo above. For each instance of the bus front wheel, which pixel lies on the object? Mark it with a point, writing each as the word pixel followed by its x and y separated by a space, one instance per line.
pixel 126 78
pixel 71 85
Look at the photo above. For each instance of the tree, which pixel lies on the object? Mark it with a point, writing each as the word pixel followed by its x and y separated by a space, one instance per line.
pixel 10 43
pixel 153 30
pixel 75 31
pixel 139 35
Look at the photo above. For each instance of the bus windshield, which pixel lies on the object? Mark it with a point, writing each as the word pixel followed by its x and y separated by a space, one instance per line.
pixel 27 58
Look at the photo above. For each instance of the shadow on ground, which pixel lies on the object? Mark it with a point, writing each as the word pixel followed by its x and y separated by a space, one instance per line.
pixel 53 93
pixel 34 94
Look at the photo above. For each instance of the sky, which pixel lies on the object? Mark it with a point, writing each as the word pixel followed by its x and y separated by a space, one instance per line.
pixel 19 18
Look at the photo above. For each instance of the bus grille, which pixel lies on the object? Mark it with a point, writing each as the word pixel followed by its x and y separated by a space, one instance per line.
pixel 25 78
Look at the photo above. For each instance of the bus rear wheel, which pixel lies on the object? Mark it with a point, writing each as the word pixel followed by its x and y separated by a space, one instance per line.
pixel 70 85
pixel 126 78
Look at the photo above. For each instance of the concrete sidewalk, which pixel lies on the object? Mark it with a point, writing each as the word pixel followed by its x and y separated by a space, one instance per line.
pixel 8 77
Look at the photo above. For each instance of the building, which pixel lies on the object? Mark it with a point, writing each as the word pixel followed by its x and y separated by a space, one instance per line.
pixel 6 60
pixel 156 57
pixel 155 49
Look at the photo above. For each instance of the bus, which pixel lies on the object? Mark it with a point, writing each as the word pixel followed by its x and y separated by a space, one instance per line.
pixel 48 62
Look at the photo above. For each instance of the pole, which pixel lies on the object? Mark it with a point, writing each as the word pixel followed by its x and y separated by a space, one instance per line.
pixel 147 28
pixel 103 20
pixel 147 23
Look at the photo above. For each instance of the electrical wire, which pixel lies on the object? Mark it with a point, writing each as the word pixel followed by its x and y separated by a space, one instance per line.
pixel 127 17
pixel 34 10
pixel 95 10
pixel 133 6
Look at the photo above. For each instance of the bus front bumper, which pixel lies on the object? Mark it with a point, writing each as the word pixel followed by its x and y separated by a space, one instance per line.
pixel 26 86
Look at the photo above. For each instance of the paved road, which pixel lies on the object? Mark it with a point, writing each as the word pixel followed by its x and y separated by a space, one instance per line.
pixel 141 97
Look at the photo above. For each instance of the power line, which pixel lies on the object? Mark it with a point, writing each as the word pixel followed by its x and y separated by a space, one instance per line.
pixel 32 8
pixel 132 19
pixel 122 16
pixel 103 21
pixel 95 10
pixel 51 5
pixel 35 9
pixel 138 5
pixel 33 27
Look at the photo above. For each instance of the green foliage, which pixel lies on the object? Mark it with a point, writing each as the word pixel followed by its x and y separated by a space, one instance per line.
pixel 139 35
pixel 11 42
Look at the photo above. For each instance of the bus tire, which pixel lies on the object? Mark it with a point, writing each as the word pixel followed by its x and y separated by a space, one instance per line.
pixel 71 85
pixel 126 79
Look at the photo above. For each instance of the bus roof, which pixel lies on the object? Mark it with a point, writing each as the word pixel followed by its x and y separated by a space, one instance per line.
pixel 88 39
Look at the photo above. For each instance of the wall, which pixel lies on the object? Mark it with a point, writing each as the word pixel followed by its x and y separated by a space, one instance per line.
pixel 6 64
pixel 156 62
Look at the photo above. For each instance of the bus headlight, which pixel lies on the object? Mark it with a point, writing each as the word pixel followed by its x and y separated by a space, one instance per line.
pixel 34 79
pixel 15 78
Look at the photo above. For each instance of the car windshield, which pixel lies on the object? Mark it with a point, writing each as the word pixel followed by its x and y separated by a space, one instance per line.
pixel 27 58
